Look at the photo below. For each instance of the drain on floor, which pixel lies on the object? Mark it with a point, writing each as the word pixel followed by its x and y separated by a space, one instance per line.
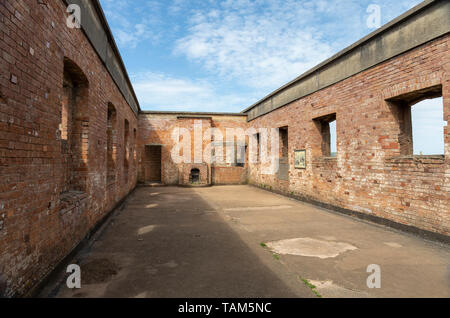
pixel 310 247
pixel 98 271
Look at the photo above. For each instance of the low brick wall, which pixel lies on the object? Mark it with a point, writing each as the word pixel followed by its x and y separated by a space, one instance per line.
pixel 229 175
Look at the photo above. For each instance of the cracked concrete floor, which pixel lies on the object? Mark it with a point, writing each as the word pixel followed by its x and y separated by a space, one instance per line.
pixel 240 241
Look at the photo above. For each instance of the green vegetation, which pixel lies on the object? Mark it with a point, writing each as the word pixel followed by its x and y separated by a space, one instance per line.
pixel 313 288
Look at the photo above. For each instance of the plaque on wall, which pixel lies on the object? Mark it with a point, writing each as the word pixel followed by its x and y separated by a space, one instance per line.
pixel 300 159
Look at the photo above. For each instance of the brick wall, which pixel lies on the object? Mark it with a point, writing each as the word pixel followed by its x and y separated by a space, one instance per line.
pixel 229 175
pixel 370 173
pixel 71 146
pixel 52 190
pixel 204 173
pixel 157 129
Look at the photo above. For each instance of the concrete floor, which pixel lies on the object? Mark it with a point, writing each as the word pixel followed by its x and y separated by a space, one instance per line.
pixel 240 241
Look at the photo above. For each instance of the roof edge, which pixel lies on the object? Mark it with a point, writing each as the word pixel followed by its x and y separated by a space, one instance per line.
pixel 112 44
pixel 188 113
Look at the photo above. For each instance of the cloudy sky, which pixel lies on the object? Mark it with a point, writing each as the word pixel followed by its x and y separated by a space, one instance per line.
pixel 204 55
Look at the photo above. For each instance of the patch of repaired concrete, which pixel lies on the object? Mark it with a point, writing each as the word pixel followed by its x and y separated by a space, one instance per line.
pixel 257 208
pixel 98 271
pixel 310 247
pixel 146 229
pixel 394 245
pixel 328 289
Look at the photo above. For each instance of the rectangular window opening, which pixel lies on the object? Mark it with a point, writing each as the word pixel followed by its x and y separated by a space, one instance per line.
pixel 284 142
pixel 428 127
pixel 258 147
pixel 420 119
pixel 327 126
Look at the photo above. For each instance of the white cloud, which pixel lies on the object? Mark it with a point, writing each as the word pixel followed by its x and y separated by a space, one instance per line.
pixel 249 46
pixel 264 44
pixel 259 48
pixel 131 29
pixel 163 92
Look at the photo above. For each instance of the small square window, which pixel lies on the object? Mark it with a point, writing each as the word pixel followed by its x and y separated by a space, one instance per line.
pixel 327 126
pixel 419 116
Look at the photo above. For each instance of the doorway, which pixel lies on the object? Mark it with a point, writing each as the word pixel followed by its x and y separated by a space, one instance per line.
pixel 152 164
pixel 194 177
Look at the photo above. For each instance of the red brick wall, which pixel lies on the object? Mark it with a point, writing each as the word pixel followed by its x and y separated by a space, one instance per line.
pixel 205 173
pixel 368 175
pixel 40 222
pixel 38 225
pixel 156 129
pixel 229 175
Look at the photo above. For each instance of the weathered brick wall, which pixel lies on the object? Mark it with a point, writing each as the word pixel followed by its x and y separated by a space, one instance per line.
pixel 204 169
pixel 40 222
pixel 157 129
pixel 229 175
pixel 369 174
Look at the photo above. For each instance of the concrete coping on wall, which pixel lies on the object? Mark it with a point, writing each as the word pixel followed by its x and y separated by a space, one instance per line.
pixel 422 24
pixel 97 30
pixel 190 114
pixel 194 117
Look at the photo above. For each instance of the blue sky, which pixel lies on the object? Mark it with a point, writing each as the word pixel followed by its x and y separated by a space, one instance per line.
pixel 204 55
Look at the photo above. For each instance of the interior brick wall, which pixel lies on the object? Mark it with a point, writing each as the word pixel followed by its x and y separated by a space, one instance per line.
pixel 53 191
pixel 157 129
pixel 370 173
pixel 205 173
pixel 40 222
pixel 229 175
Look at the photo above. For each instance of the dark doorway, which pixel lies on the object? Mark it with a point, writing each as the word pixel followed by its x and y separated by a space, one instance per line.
pixel 194 176
pixel 152 164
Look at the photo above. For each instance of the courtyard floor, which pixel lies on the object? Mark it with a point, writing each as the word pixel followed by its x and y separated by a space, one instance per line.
pixel 240 241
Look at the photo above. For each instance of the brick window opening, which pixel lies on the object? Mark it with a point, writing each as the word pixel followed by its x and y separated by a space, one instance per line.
pixel 283 169
pixel 258 147
pixel 135 146
pixel 126 151
pixel 111 143
pixel 65 112
pixel 428 127
pixel 333 139
pixel 327 126
pixel 420 121
pixel 241 152
pixel 235 153
pixel 284 142
pixel 74 128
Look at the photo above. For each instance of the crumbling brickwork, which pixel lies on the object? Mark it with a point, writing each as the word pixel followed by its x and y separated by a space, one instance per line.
pixel 54 97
